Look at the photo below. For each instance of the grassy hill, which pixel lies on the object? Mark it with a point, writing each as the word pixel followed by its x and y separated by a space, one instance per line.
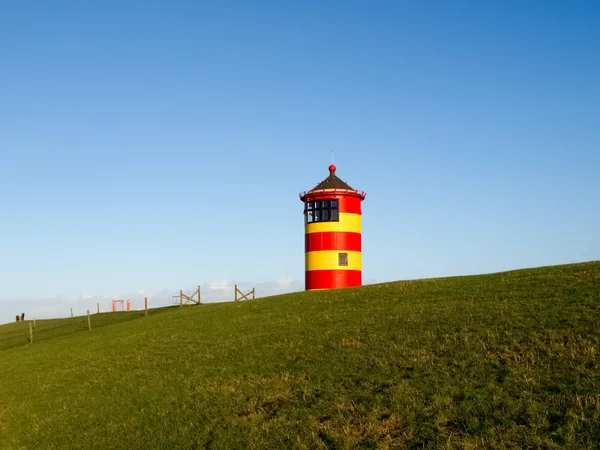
pixel 491 361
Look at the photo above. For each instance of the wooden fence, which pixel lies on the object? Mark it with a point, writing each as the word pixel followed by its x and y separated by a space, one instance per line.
pixel 183 300
pixel 189 298
pixel 243 296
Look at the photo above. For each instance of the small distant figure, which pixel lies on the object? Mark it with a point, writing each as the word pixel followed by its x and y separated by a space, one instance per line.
pixel 18 318
pixel 22 316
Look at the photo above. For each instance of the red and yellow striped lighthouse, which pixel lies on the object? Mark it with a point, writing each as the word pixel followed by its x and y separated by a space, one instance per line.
pixel 332 211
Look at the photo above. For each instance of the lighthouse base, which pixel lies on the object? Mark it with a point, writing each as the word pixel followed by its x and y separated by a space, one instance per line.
pixel 332 279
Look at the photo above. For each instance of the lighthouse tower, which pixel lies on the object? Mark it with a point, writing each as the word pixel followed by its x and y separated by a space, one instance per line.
pixel 332 211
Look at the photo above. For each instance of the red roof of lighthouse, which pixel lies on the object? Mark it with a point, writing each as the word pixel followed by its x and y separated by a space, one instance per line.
pixel 331 185
pixel 331 182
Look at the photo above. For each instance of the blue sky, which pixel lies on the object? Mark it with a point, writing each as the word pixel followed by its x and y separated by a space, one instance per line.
pixel 151 146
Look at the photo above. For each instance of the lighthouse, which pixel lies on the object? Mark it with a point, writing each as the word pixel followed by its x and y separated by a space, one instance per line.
pixel 332 233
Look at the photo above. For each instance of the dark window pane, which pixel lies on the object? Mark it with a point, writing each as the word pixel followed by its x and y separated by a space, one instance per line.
pixel 342 259
pixel 334 215
pixel 325 215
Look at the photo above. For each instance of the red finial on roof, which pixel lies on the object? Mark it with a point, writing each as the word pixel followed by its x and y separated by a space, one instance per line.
pixel 332 169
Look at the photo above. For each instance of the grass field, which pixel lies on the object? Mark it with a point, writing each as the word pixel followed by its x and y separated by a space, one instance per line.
pixel 507 360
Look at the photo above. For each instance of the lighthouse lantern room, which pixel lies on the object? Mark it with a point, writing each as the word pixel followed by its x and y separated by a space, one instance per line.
pixel 332 225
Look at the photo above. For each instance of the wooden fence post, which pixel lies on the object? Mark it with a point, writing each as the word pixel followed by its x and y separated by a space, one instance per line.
pixel 30 334
pixel 198 294
pixel 89 320
pixel 98 306
pixel 33 323
pixel 253 297
pixel 146 305
pixel 235 299
pixel 71 313
pixel 180 297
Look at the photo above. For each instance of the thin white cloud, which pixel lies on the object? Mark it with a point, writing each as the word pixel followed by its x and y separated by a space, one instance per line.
pixel 284 283
pixel 219 284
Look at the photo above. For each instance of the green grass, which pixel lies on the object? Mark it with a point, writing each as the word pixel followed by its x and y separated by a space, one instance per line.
pixel 16 334
pixel 507 360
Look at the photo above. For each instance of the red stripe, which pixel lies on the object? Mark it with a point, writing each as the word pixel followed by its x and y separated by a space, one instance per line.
pixel 331 279
pixel 332 240
pixel 347 203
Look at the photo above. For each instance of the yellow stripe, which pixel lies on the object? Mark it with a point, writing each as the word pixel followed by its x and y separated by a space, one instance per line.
pixel 328 260
pixel 348 222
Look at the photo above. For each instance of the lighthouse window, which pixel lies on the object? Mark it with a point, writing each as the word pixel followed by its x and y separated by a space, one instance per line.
pixel 334 217
pixel 342 259
pixel 322 211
